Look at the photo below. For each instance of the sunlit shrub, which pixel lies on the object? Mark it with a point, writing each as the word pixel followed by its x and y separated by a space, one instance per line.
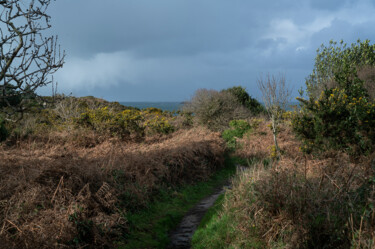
pixel 339 64
pixel 156 121
pixel 287 115
pixel 152 110
pixel 255 122
pixel 339 113
pixel 158 124
pixel 336 120
pixel 237 129
pixel 105 121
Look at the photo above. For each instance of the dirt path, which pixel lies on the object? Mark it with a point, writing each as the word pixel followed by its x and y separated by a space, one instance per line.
pixel 181 236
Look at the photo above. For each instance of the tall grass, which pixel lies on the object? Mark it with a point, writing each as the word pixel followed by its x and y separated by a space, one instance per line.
pixel 306 202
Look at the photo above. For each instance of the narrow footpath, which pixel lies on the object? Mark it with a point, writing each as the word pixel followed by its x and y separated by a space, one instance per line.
pixel 181 236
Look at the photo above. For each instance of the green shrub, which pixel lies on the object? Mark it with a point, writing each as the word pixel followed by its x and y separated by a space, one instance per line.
pixel 112 123
pixel 342 117
pixel 338 63
pixel 246 100
pixel 215 109
pixel 237 129
pixel 125 123
pixel 156 122
pixel 338 121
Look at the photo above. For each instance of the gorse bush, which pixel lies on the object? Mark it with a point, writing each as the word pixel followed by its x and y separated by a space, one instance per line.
pixel 339 63
pixel 89 115
pixel 130 122
pixel 106 121
pixel 337 120
pixel 342 116
pixel 156 122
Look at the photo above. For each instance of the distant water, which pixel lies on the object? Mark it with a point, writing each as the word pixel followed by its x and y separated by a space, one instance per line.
pixel 174 106
pixel 165 106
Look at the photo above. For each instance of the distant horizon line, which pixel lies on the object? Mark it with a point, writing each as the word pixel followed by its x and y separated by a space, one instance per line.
pixel 148 101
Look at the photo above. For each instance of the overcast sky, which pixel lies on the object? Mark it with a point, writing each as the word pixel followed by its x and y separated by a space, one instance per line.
pixel 164 50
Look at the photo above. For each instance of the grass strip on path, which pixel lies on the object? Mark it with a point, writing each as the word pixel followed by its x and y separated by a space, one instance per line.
pixel 220 228
pixel 149 227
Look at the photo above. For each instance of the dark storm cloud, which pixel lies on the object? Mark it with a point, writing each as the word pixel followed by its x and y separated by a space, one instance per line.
pixel 341 29
pixel 154 28
pixel 328 5
pixel 155 50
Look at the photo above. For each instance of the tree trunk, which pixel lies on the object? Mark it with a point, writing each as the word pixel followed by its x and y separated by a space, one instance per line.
pixel 274 133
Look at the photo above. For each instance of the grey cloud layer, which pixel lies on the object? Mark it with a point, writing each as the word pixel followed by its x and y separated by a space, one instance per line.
pixel 134 45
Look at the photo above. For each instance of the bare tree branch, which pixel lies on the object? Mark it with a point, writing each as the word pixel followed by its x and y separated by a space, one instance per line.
pixel 276 96
pixel 28 59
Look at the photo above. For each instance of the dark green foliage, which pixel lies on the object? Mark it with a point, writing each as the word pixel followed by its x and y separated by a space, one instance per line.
pixel 342 116
pixel 338 64
pixel 237 130
pixel 3 130
pixel 13 100
pixel 246 100
pixel 84 229
pixel 337 120
pixel 11 96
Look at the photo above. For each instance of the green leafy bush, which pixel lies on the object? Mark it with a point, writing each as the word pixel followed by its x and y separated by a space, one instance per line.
pixel 105 121
pixel 125 123
pixel 343 116
pixel 337 120
pixel 237 129
pixel 156 121
pixel 339 63
pixel 246 100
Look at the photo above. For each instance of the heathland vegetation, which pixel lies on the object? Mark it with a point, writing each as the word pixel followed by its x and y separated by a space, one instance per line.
pixel 84 171
pixel 321 194
pixel 87 173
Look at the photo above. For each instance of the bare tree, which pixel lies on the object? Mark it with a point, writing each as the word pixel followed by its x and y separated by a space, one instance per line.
pixel 28 59
pixel 276 96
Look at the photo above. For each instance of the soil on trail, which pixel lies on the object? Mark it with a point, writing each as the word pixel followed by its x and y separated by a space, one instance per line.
pixel 181 236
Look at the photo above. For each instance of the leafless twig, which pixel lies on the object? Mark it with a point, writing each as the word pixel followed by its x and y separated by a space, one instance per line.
pixel 27 57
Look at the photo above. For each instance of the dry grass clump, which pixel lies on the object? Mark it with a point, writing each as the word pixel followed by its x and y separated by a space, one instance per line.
pixel 258 144
pixel 66 194
pixel 305 202
pixel 42 191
